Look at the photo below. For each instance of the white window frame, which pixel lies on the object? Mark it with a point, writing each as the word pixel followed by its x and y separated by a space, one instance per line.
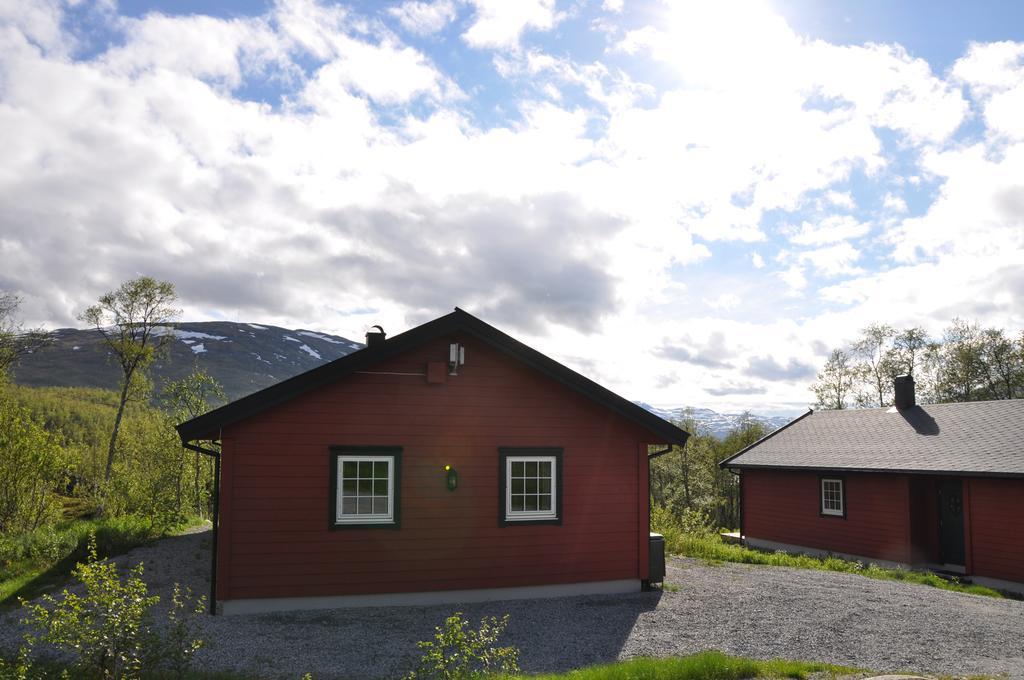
pixel 365 518
pixel 530 515
pixel 834 512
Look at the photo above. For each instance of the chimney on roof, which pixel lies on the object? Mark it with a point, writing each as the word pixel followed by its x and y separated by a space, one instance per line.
pixel 903 386
pixel 375 337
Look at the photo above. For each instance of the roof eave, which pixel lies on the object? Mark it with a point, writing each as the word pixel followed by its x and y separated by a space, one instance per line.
pixel 886 471
pixel 727 463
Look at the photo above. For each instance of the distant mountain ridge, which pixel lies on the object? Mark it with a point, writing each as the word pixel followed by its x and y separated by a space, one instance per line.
pixel 717 424
pixel 243 357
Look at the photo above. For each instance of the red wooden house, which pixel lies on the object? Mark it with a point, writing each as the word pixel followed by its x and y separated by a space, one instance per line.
pixel 448 463
pixel 937 486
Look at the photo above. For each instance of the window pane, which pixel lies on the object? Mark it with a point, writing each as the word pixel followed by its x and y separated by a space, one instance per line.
pixel 544 486
pixel 545 503
pixel 380 487
pixel 517 468
pixel 380 470
pixel 365 469
pixel 531 469
pixel 365 505
pixel 348 487
pixel 517 486
pixel 348 506
pixel 530 503
pixel 544 469
pixel 348 468
pixel 365 487
pixel 380 505
pixel 531 485
pixel 517 503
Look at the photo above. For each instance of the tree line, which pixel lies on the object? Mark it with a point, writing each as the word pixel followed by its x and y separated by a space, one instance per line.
pixel 965 363
pixel 92 452
pixel 688 483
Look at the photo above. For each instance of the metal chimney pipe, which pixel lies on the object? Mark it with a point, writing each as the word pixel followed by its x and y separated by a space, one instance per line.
pixel 903 387
pixel 375 337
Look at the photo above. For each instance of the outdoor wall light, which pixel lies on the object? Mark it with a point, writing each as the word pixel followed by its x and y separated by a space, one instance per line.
pixel 452 478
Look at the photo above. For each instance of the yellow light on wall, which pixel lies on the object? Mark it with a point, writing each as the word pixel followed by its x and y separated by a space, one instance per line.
pixel 452 478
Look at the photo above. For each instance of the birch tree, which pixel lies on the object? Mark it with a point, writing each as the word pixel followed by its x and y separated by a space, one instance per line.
pixel 835 381
pixel 130 320
pixel 15 340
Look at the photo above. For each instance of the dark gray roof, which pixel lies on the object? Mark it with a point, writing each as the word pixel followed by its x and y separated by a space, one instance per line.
pixel 980 438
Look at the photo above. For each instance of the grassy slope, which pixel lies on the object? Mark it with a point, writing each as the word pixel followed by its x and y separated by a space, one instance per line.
pixel 711 547
pixel 40 561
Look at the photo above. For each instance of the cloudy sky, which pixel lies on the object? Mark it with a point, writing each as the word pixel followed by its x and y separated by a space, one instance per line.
pixel 689 202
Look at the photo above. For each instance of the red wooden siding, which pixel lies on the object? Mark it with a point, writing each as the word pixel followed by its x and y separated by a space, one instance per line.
pixel 276 541
pixel 784 507
pixel 996 527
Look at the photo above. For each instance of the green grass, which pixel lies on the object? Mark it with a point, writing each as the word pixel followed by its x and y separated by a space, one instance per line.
pixel 45 669
pixel 711 548
pixel 708 665
pixel 41 560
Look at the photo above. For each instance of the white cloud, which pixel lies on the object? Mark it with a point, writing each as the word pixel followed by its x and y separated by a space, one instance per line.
pixel 833 260
pixel 725 301
pixel 196 46
pixel 794 278
pixel 424 18
pixel 387 73
pixel 37 23
pixel 747 121
pixel 569 213
pixel 995 75
pixel 831 229
pixel 894 203
pixel 499 24
pixel 842 199
pixel 614 6
pixel 979 210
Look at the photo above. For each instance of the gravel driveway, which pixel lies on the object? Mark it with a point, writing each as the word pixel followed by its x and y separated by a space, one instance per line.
pixel 759 612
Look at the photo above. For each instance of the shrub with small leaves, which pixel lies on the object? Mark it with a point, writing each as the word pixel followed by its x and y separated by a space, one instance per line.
pixel 21 668
pixel 696 522
pixel 182 640
pixel 108 629
pixel 461 653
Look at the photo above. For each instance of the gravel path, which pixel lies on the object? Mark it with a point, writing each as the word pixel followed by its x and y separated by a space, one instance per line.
pixel 759 612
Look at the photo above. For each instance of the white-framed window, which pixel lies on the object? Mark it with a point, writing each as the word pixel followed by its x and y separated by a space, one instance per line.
pixel 833 500
pixel 531 485
pixel 365 487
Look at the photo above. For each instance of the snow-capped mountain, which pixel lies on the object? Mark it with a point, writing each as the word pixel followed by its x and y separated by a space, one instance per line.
pixel 243 357
pixel 718 424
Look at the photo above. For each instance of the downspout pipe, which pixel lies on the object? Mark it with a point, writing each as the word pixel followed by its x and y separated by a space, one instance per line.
pixel 646 585
pixel 216 518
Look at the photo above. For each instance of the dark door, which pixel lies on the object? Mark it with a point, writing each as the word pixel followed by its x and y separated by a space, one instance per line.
pixel 951 522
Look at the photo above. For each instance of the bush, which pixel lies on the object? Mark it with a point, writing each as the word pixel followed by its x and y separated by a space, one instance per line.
pixel 182 641
pixel 456 653
pixel 31 465
pixel 109 630
pixel 696 523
